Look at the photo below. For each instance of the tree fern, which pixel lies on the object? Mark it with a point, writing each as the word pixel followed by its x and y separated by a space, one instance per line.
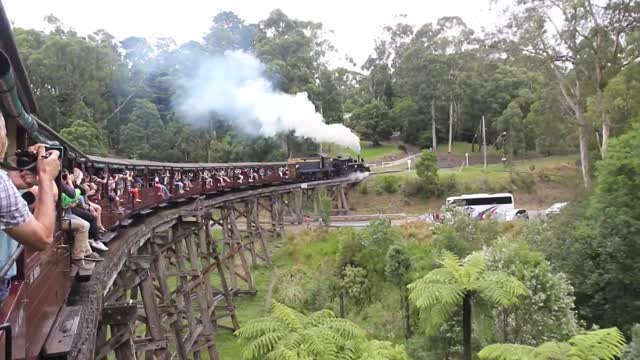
pixel 456 283
pixel 603 344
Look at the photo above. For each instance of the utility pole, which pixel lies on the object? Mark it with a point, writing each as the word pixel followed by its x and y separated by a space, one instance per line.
pixel 484 142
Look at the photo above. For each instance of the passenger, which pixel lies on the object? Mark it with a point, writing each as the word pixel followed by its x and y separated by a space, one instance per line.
pixel 81 250
pixel 133 186
pixel 178 184
pixel 160 188
pixel 34 231
pixel 22 180
pixel 79 208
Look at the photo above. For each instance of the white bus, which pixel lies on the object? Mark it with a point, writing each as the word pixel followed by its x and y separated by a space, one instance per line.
pixel 482 206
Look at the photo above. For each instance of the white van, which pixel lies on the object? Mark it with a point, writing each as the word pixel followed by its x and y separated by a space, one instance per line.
pixel 482 206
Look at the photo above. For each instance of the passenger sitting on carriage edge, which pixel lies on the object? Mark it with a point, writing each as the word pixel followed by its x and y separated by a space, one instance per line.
pixel 162 190
pixel 81 251
pixel 133 186
pixel 79 208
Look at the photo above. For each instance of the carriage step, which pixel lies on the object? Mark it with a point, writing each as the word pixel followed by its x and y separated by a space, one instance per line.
pixel 145 211
pixel 60 338
pixel 108 236
pixel 126 222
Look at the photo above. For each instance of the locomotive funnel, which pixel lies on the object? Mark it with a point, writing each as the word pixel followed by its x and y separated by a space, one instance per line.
pixel 10 104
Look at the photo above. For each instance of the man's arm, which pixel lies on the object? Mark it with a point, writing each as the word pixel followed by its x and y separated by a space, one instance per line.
pixel 37 231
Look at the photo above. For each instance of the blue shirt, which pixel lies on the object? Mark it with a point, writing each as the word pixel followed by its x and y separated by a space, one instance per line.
pixel 7 247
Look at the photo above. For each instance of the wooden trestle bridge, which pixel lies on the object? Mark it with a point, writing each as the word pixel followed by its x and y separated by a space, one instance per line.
pixel 167 283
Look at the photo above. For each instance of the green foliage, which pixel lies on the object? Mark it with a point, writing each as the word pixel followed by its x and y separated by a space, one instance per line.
pixel 427 170
pixel 386 184
pixel 442 290
pixel 398 265
pixel 355 285
pixel 325 208
pixel 373 122
pixel 290 286
pixel 546 312
pixel 462 235
pixel 288 334
pixel 383 350
pixel 603 344
pixel 86 137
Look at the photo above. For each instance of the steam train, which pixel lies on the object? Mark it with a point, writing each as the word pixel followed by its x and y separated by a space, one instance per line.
pixel 39 291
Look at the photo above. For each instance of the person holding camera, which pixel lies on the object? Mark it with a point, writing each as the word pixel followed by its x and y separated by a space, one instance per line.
pixel 33 230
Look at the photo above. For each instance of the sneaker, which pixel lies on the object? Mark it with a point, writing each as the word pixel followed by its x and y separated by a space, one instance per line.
pixel 98 245
pixel 138 200
pixel 93 257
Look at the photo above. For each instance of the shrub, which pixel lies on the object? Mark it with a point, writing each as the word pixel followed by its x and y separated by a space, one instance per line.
pixel 386 185
pixel 523 182
pixel 413 188
pixel 448 185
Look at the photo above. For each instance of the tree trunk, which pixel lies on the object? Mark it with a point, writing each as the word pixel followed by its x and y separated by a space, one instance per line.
pixel 407 313
pixel 341 300
pixel 583 136
pixel 466 326
pixel 450 132
pixel 434 140
pixel 606 131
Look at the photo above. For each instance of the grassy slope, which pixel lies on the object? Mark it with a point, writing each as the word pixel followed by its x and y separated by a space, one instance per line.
pixel 560 174
pixel 368 152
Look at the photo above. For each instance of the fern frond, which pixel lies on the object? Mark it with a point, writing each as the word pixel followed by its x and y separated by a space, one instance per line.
pixel 262 345
pixel 319 316
pixel 282 354
pixel 474 267
pixel 346 329
pixel 293 319
pixel 602 344
pixel 259 327
pixel 500 288
pixel 426 294
pixel 507 352
pixel 437 315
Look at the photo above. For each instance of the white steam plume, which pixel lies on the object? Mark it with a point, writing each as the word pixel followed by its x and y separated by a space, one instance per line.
pixel 234 86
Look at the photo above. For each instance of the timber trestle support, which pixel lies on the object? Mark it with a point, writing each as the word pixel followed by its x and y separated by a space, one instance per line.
pixel 166 287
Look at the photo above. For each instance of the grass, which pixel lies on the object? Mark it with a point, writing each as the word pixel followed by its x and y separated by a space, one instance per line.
pixel 369 152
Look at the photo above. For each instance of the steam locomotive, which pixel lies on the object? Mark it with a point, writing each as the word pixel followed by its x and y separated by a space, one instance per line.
pixel 40 289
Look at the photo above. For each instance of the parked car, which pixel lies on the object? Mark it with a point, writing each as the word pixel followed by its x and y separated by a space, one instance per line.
pixel 554 209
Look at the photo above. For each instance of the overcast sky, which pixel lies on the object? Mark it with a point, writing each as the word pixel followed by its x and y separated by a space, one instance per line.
pixel 355 23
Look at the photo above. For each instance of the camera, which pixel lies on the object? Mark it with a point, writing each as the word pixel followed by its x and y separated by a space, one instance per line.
pixel 26 160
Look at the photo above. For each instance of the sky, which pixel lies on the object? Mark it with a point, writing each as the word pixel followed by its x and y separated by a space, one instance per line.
pixel 354 23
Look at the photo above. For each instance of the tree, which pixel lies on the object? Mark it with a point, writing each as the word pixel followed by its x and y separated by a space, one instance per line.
pixel 614 247
pixel 372 122
pixel 86 137
pixel 510 123
pixel 603 344
pixel 407 118
pixel 355 285
pixel 427 170
pixel 546 312
pixel 587 39
pixel 459 283
pixel 229 32
pixel 397 272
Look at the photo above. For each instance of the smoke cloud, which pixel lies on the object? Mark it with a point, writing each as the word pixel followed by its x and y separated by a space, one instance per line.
pixel 234 87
